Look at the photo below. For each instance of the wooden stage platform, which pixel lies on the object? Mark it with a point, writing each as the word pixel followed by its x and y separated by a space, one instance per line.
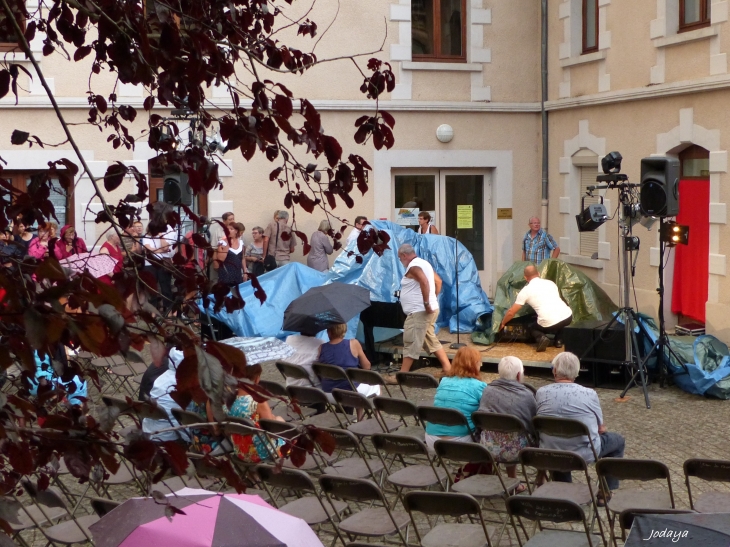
pixel 490 354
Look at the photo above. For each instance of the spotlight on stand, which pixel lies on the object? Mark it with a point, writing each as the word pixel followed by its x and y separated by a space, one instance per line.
pixel 611 163
pixel 673 234
pixel 635 216
pixel 591 217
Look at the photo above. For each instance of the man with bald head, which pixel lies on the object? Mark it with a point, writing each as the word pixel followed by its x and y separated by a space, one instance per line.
pixel 553 315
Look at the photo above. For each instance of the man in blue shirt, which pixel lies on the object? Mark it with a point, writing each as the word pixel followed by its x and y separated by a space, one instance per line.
pixel 537 245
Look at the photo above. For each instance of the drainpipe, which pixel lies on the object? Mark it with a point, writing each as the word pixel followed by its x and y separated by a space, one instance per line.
pixel 543 112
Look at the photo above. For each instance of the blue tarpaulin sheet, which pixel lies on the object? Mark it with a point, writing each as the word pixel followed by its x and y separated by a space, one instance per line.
pixel 380 275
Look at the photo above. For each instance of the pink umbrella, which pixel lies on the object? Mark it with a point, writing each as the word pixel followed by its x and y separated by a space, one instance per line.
pixel 210 520
pixel 97 265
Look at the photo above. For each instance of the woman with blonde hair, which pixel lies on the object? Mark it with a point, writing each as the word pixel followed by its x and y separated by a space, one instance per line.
pixel 461 389
pixel 320 248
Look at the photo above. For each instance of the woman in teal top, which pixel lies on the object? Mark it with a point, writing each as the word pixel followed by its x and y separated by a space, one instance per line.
pixel 462 390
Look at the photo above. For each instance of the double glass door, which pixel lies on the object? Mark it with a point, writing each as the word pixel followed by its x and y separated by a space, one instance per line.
pixel 441 193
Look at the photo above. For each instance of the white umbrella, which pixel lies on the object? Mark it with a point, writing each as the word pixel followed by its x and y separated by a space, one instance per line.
pixel 260 349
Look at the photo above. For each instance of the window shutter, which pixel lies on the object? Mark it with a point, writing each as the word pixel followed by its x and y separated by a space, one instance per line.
pixel 588 240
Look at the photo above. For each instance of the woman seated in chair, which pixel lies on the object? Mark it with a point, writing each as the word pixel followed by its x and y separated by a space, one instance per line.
pixel 508 395
pixel 253 448
pixel 461 388
pixel 344 353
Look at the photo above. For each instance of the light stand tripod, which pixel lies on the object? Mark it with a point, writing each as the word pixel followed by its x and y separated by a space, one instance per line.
pixel 625 314
pixel 662 342
pixel 457 344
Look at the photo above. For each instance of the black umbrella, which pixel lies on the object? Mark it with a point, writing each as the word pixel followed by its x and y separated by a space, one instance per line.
pixel 708 530
pixel 322 307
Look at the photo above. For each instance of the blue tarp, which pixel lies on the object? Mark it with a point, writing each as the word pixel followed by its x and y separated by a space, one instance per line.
pixel 380 275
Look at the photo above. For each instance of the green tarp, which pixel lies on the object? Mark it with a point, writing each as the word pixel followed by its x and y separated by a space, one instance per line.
pixel 587 300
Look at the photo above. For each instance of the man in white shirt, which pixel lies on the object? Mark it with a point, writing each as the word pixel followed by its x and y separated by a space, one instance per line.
pixel 419 288
pixel 359 224
pixel 553 315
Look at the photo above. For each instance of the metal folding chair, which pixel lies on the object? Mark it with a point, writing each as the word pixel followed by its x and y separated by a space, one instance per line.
pixel 709 471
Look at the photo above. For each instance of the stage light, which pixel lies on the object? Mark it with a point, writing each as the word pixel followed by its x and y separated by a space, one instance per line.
pixel 611 163
pixel 591 217
pixel 673 234
pixel 634 216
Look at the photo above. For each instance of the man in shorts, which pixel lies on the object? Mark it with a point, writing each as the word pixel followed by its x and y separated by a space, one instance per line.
pixel 419 288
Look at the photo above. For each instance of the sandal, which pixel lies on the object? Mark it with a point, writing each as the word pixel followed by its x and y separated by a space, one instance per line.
pixel 520 488
pixel 601 499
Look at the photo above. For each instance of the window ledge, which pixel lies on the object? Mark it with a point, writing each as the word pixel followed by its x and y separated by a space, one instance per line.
pixel 684 37
pixel 453 67
pixel 585 261
pixel 583 59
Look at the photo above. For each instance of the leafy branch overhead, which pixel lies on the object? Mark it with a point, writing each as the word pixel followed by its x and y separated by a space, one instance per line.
pixel 177 53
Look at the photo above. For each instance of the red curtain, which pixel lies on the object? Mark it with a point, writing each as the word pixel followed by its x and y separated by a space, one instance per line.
pixel 689 293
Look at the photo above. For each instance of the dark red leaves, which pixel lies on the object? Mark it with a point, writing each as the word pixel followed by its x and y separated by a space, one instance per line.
pixel 149 103
pixel 21 458
pixel 232 359
pixel 114 176
pixel 332 150
pixel 258 290
pixel 19 137
pixel 81 52
pixel 4 83
pixel 283 106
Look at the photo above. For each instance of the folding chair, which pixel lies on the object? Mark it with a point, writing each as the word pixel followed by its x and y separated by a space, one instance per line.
pixel 102 506
pixel 74 530
pixel 410 452
pixel 543 459
pixel 309 505
pixel 293 372
pixel 499 423
pixel 449 504
pixel 370 377
pixel 372 521
pixel 29 517
pixel 556 511
pixel 633 498
pixel 356 463
pixel 565 428
pixel 415 380
pixel 372 423
pixel 205 474
pixel 103 367
pixel 316 461
pixel 493 488
pixel 315 396
pixel 281 407
pixel 332 372
pixel 403 408
pixel 445 416
pixel 710 471
pixel 123 375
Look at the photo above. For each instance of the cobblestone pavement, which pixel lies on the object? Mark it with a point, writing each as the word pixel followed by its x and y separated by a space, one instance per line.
pixel 677 427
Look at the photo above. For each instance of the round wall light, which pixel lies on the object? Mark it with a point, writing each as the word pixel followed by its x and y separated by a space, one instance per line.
pixel 445 133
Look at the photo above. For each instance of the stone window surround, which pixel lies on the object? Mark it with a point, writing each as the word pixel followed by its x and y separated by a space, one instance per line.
pixel 476 55
pixel 569 53
pixel 664 33
pixel 671 143
pixel 569 202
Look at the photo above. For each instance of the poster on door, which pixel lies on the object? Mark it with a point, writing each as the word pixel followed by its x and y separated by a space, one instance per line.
pixel 406 216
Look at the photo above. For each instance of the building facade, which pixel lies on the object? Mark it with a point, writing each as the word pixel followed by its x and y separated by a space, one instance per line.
pixel 643 78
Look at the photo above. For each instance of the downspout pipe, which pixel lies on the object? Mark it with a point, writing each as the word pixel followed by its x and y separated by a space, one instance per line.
pixel 543 112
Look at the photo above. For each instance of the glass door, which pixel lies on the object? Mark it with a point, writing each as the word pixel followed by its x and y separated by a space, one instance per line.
pixel 415 191
pixel 465 190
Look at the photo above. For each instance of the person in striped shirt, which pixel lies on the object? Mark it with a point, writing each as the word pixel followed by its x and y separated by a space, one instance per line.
pixel 537 245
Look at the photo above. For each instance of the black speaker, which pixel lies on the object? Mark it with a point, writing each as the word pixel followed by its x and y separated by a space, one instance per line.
pixel 659 193
pixel 176 190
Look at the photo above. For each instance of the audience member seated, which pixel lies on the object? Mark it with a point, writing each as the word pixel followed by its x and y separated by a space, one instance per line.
pixel 22 236
pixel 112 247
pixel 307 352
pixel 160 395
pixel 252 448
pixel 344 353
pixel 461 388
pixel 566 399
pixel 38 247
pixel 507 395
pixel 204 440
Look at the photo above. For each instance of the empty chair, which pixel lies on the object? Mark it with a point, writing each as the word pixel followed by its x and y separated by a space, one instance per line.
pixel 710 471
pixel 356 463
pixel 377 520
pixel 31 516
pixel 542 460
pixel 102 506
pixel 316 461
pixel 556 511
pixel 309 505
pixel 415 380
pixel 68 532
pixel 315 396
pixel 481 486
pixel 634 498
pixel 368 422
pixel 449 504
pixel 369 377
pixel 403 408
pixel 419 470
